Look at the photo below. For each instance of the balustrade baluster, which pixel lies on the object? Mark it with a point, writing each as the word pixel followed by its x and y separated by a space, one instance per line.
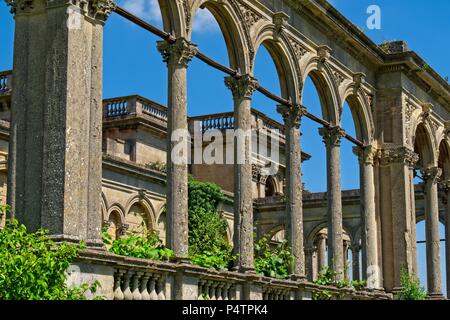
pixel 136 287
pixel 144 284
pixel 128 295
pixel 161 288
pixel 152 289
pixel 118 294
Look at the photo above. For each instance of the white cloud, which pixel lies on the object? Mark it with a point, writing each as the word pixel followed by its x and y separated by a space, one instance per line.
pixel 204 21
pixel 145 9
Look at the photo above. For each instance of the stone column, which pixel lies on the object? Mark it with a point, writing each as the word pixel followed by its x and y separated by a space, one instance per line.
pixel 431 178
pixel 447 235
pixel 369 221
pixel 355 261
pixel 56 117
pixel 395 204
pixel 332 139
pixel 311 269
pixel 242 90
pixel 346 266
pixel 321 252
pixel 177 56
pixel 294 200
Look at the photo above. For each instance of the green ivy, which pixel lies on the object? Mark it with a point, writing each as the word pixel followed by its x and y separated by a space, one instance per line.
pixel 273 261
pixel 411 288
pixel 208 244
pixel 33 267
pixel 328 277
pixel 147 246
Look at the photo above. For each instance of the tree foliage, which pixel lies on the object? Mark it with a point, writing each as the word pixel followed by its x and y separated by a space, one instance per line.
pixel 33 267
pixel 208 245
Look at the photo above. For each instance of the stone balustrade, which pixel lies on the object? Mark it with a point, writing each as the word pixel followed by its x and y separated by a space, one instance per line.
pixel 5 82
pixel 216 290
pixel 133 106
pixel 139 285
pixel 124 278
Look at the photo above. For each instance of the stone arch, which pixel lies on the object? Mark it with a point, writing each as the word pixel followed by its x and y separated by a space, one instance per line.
pixel 142 211
pixel 274 231
pixel 281 55
pixel 232 31
pixel 424 146
pixel 361 114
pixel 175 16
pixel 310 238
pixel 322 78
pixel 104 206
pixel 161 224
pixel 444 158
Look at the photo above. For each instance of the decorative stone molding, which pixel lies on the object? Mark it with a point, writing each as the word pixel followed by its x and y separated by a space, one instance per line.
pixel 250 17
pixel 187 14
pixel 242 88
pixel 324 54
pixel 400 154
pixel 180 53
pixel 20 5
pixel 299 50
pixel 280 20
pixel 96 9
pixel 294 113
pixel 359 78
pixel 366 155
pixel 256 172
pixel 427 109
pixel 101 9
pixel 332 136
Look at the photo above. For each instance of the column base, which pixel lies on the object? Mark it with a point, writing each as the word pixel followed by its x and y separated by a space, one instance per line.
pixel 181 260
pixel 245 270
pixel 298 278
pixel 436 296
pixel 95 244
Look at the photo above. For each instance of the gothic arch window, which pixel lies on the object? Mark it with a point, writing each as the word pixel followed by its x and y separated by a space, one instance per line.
pixel 271 187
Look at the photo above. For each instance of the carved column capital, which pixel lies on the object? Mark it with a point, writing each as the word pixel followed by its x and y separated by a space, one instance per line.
pixel 242 88
pixel 432 175
pixel 20 5
pixel 179 53
pixel 293 114
pixel 332 136
pixel 101 9
pixel 399 155
pixel 366 155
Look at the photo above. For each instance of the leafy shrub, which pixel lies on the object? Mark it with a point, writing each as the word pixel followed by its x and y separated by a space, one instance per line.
pixel 411 288
pixel 328 278
pixel 33 267
pixel 147 246
pixel 208 244
pixel 273 262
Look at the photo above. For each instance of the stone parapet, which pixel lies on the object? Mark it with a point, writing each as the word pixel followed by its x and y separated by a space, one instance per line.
pixel 124 278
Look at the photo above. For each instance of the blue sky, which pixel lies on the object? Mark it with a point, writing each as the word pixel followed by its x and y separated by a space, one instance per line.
pixel 132 65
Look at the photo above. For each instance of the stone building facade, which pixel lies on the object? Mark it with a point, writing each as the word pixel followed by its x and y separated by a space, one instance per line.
pixel 67 177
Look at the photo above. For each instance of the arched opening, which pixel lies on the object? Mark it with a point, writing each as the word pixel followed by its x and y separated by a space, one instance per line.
pixel 318 256
pixel 114 225
pixel 161 227
pixel 137 220
pixel 270 187
pixel 210 103
pixel 273 72
pixel 425 239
